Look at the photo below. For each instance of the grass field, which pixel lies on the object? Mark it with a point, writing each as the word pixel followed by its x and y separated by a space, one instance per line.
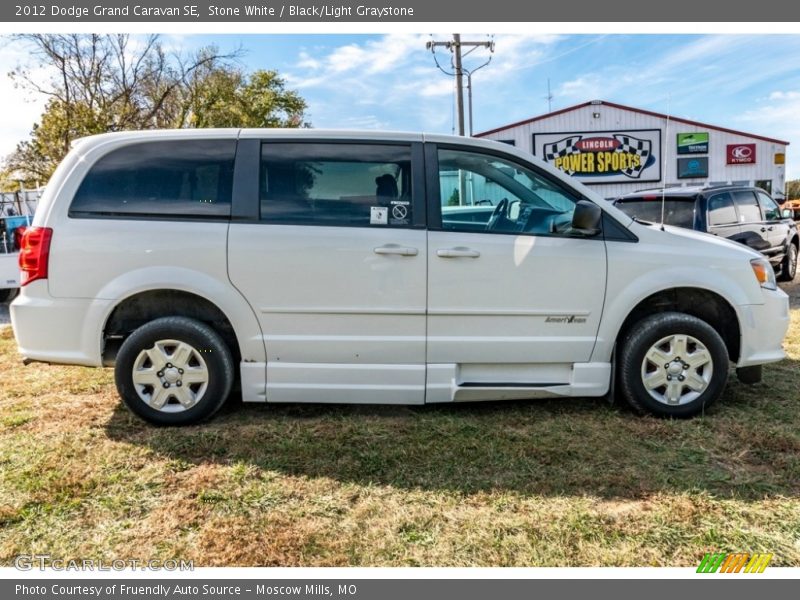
pixel 555 483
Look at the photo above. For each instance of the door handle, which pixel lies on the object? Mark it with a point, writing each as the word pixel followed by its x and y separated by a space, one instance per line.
pixel 392 249
pixel 459 252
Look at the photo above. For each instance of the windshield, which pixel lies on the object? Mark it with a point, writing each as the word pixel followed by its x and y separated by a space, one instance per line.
pixel 677 211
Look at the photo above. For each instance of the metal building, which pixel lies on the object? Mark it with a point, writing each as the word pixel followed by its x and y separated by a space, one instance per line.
pixel 619 149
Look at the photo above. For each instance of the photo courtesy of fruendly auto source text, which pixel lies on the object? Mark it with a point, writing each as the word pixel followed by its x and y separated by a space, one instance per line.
pixel 383 300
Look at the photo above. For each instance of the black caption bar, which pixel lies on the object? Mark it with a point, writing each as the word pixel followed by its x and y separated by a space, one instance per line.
pixel 464 11
pixel 394 589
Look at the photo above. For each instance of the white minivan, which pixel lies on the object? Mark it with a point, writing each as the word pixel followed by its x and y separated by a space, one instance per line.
pixel 373 267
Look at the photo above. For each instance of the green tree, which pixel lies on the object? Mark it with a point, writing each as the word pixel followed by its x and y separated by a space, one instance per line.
pixel 226 98
pixel 793 189
pixel 103 83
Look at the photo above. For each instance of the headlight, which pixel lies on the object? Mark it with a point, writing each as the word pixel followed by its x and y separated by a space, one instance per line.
pixel 764 273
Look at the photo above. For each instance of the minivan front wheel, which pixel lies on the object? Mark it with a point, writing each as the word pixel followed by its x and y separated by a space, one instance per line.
pixel 672 365
pixel 174 371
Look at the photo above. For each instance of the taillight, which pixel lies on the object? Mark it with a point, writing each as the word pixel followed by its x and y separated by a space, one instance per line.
pixel 35 253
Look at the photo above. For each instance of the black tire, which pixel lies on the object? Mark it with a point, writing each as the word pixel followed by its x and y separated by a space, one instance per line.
pixel 197 335
pixel 8 294
pixel 789 264
pixel 642 337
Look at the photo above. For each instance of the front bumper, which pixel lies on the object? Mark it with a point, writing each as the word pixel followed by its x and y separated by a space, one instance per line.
pixel 57 330
pixel 763 327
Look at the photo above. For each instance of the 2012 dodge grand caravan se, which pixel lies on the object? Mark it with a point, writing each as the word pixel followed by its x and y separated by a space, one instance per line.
pixel 323 266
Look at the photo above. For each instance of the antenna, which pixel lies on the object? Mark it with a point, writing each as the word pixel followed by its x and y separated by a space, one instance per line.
pixel 664 169
pixel 549 97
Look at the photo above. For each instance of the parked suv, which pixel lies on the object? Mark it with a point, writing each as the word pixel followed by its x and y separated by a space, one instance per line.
pixel 743 214
pixel 318 266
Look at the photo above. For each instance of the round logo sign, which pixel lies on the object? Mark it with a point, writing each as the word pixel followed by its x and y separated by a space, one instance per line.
pixel 399 212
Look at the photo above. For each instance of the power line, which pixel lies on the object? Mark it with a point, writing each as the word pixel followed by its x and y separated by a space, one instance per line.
pixel 455 47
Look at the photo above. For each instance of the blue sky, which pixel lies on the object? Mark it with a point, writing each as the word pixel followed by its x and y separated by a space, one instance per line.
pixel 390 81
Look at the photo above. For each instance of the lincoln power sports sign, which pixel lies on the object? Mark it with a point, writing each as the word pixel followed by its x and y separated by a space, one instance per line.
pixel 615 156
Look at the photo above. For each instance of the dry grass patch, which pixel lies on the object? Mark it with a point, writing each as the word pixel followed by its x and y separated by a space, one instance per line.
pixel 563 482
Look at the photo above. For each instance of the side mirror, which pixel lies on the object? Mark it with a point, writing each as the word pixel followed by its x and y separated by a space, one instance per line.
pixel 586 218
pixel 787 213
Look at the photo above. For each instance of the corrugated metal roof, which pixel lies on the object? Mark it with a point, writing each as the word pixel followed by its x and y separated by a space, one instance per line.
pixel 631 109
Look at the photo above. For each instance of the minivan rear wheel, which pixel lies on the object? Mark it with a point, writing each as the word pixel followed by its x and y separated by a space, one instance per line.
pixel 672 365
pixel 174 371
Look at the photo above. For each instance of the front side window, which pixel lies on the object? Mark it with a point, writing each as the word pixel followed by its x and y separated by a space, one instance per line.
pixel 747 206
pixel 481 192
pixel 182 178
pixel 366 185
pixel 769 207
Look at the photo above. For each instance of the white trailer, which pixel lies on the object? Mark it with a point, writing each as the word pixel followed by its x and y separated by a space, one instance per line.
pixel 16 213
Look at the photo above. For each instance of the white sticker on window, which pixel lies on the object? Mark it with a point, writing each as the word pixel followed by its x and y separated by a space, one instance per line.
pixel 378 215
pixel 399 212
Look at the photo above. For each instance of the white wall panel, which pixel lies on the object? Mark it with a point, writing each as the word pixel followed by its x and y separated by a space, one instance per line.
pixel 581 119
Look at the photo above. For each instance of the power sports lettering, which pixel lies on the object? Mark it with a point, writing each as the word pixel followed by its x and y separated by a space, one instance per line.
pixel 614 154
pixel 598 162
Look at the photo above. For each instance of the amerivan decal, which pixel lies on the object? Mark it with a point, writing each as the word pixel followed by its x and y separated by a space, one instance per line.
pixel 603 157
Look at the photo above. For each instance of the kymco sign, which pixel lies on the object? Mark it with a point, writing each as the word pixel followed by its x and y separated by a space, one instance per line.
pixel 741 154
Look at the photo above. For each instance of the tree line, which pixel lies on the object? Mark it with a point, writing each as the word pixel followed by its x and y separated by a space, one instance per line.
pixel 793 189
pixel 100 83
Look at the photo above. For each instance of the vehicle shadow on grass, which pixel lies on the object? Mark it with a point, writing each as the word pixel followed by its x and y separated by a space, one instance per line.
pixel 747 446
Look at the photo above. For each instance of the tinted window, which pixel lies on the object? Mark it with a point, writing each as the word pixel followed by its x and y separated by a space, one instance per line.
pixel 721 210
pixel 336 184
pixel 769 207
pixel 747 207
pixel 481 192
pixel 764 184
pixel 677 211
pixel 190 178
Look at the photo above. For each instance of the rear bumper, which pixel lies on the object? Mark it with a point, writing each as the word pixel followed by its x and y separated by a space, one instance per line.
pixel 57 330
pixel 763 327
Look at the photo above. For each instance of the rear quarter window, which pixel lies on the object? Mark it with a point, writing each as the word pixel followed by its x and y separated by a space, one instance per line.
pixel 174 178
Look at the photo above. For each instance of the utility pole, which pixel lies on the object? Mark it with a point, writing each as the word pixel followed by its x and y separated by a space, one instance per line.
pixel 455 46
pixel 459 82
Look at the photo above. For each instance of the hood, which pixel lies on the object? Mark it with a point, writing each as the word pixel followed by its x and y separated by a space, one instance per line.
pixel 703 242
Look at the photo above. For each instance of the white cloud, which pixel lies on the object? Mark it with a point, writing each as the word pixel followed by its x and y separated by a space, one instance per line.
pixel 778 95
pixel 778 117
pixel 306 61
pixel 397 74
pixel 585 87
pixel 444 87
